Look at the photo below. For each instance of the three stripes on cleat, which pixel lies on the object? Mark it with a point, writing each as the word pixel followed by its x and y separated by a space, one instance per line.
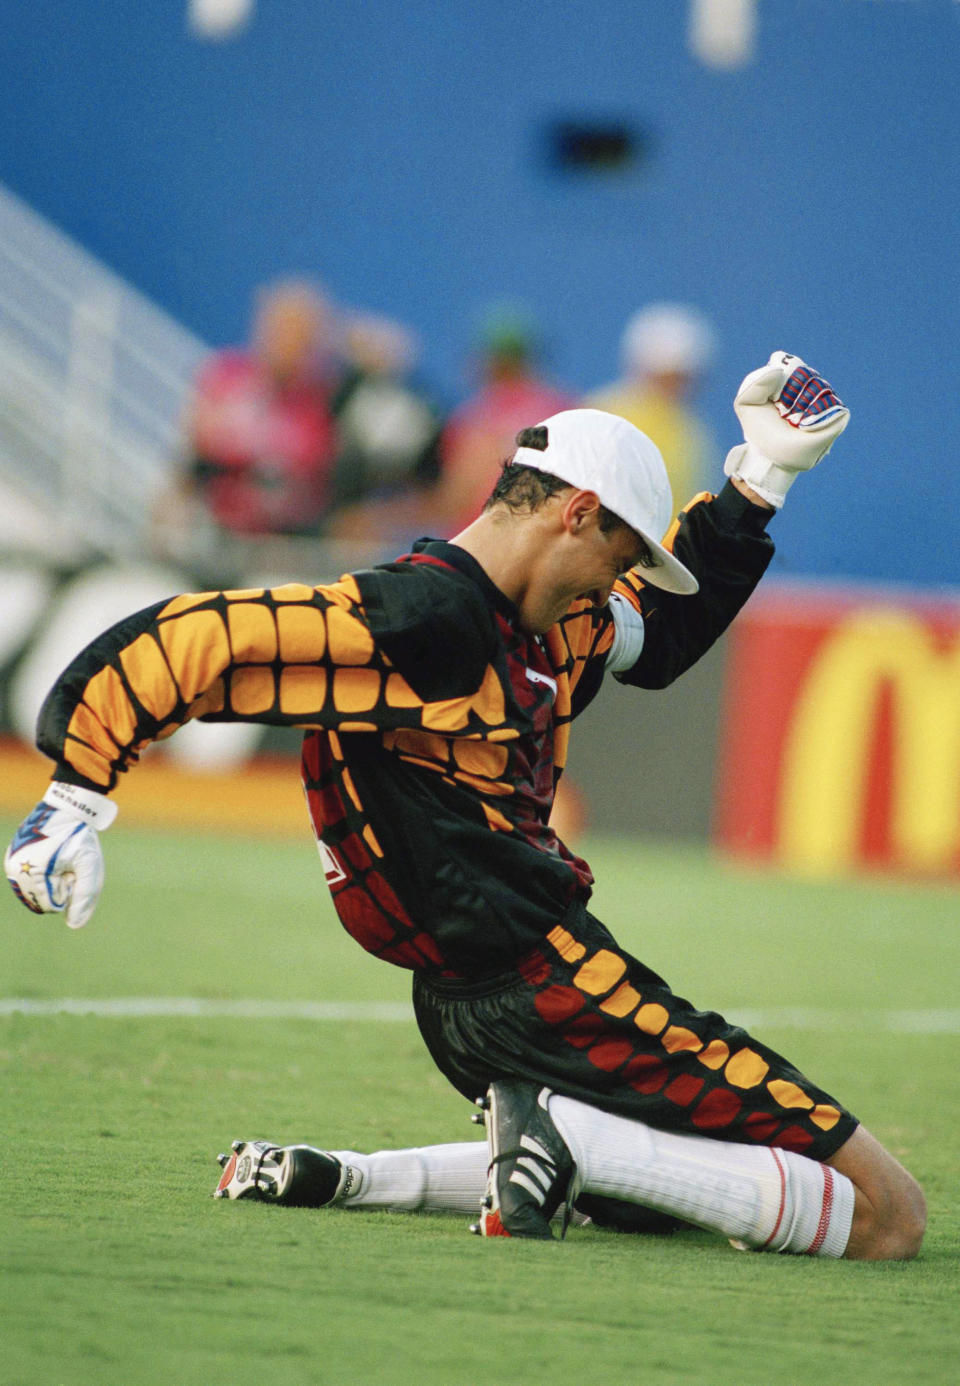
pixel 530 1173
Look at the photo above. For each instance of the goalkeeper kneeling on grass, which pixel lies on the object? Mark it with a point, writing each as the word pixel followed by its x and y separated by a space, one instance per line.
pixel 437 695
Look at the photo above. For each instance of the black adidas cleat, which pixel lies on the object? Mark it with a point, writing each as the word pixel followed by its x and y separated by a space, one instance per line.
pixel 531 1169
pixel 296 1175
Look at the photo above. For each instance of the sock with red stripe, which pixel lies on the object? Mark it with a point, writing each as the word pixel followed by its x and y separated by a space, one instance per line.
pixel 761 1197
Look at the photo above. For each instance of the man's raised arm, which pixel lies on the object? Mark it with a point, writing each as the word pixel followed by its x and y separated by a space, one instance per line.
pixel 790 418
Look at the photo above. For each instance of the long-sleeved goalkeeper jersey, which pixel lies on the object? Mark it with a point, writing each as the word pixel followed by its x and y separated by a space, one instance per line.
pixel 436 727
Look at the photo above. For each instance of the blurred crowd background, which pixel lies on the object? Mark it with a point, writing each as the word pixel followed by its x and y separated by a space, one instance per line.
pixel 318 428
pixel 279 284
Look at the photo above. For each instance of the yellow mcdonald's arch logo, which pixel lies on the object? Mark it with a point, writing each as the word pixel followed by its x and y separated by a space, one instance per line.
pixel 829 745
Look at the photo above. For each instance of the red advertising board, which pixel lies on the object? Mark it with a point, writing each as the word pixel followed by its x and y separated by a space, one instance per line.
pixel 840 740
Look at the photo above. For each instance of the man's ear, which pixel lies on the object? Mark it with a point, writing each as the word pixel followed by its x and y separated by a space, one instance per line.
pixel 578 509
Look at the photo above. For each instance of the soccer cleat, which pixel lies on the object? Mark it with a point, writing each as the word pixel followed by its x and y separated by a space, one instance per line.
pixel 531 1169
pixel 296 1175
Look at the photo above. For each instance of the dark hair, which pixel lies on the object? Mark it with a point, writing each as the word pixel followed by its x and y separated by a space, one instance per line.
pixel 522 488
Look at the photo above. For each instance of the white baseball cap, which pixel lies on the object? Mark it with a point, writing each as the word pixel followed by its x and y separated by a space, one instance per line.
pixel 601 452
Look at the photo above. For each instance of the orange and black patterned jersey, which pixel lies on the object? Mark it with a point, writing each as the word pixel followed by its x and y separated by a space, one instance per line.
pixel 436 727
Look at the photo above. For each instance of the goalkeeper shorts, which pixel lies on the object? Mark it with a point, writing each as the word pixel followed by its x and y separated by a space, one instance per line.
pixel 588 1020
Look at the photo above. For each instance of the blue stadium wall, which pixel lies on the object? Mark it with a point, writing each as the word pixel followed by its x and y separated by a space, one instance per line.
pixel 402 153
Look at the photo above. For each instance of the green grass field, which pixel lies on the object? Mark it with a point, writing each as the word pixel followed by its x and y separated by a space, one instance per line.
pixel 118 1267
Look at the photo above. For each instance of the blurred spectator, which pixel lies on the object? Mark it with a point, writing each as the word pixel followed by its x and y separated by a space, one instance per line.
pixel 389 431
pixel 665 351
pixel 481 433
pixel 261 443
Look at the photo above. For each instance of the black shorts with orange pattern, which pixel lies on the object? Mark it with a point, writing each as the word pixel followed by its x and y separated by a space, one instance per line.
pixel 586 1019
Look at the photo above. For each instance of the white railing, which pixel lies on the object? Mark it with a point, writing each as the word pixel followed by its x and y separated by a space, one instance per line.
pixel 93 381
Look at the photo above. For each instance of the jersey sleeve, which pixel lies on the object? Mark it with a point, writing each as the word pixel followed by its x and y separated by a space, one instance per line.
pixel 288 656
pixel 647 637
pixel 580 645
pixel 723 541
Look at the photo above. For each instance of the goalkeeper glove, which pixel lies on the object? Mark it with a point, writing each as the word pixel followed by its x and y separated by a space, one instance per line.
pixel 791 417
pixel 54 863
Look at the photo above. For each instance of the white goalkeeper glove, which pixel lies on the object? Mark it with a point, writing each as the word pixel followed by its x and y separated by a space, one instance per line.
pixel 791 417
pixel 54 863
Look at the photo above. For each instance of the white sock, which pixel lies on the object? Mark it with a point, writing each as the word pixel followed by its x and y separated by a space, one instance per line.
pixel 428 1178
pixel 763 1197
pixel 431 1178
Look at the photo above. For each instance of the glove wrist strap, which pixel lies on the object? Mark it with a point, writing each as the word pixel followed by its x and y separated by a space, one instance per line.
pixel 84 804
pixel 749 464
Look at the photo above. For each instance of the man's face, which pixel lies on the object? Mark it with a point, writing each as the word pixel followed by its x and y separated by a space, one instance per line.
pixel 585 563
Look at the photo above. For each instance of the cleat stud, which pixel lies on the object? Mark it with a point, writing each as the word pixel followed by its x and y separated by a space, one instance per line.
pixel 475 1229
pixel 479 1119
pixel 222 1160
pixel 482 1102
pixel 486 1202
pixel 236 1145
pixel 219 1193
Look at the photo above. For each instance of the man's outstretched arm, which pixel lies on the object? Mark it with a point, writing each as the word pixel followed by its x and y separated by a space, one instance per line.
pixel 270 656
pixel 293 655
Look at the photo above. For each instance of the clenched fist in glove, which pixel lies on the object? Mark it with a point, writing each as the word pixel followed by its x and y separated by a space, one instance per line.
pixel 791 417
pixel 54 863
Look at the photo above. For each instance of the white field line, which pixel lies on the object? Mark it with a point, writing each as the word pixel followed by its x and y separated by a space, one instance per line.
pixel 172 1006
pixel 944 1021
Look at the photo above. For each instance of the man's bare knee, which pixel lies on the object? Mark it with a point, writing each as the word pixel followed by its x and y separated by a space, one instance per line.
pixel 890 1213
pixel 911 1223
pixel 890 1228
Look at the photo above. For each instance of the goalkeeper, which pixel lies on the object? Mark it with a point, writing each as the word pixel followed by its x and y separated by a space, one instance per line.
pixel 437 694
